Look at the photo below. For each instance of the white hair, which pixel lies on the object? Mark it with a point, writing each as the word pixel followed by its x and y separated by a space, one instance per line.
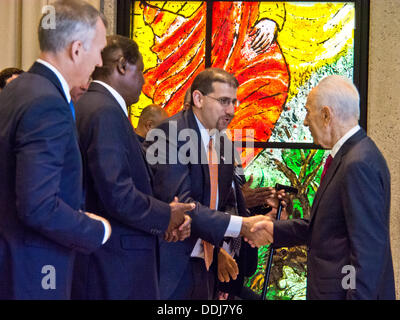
pixel 341 95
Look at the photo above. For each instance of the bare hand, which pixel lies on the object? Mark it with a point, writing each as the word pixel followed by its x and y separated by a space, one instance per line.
pixel 265 226
pixel 256 238
pixel 181 233
pixel 185 228
pixel 227 267
pixel 178 211
pixel 257 196
pixel 272 214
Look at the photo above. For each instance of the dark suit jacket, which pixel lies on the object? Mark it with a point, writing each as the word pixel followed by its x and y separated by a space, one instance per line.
pixel 349 225
pixel 40 189
pixel 119 187
pixel 248 256
pixel 190 183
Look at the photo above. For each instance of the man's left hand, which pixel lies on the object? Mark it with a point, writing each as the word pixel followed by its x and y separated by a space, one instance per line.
pixel 227 267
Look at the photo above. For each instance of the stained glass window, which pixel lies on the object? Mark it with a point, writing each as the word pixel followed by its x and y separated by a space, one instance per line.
pixel 302 169
pixel 278 51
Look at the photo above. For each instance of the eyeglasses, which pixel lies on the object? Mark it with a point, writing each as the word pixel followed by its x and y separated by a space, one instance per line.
pixel 225 101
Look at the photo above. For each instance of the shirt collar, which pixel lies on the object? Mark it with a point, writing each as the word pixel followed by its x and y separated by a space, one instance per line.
pixel 60 77
pixel 116 95
pixel 343 139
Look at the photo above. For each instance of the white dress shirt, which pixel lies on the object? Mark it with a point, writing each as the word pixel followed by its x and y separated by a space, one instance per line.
pixel 343 139
pixel 235 223
pixel 116 95
pixel 60 77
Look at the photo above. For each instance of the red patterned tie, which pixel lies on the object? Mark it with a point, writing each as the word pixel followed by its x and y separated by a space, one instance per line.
pixel 326 166
pixel 213 169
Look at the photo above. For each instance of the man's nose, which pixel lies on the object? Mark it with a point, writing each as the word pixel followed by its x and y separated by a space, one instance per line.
pixel 230 110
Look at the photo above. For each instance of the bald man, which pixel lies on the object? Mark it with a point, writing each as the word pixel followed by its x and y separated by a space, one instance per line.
pixel 150 118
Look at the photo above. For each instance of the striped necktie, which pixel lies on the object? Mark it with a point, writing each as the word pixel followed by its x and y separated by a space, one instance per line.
pixel 213 170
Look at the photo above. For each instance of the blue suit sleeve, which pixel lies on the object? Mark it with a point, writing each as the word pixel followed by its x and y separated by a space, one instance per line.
pixel 42 136
pixel 174 179
pixel 363 197
pixel 110 168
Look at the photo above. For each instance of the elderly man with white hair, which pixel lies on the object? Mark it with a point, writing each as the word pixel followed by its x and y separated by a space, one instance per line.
pixel 347 235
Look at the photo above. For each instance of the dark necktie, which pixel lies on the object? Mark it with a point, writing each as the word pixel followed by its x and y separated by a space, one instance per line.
pixel 326 166
pixel 235 243
pixel 71 106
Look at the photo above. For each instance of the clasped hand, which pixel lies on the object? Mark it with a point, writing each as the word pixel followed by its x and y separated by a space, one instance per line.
pixel 257 230
pixel 179 227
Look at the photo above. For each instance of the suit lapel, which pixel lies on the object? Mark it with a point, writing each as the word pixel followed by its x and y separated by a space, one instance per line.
pixel 225 170
pixel 42 70
pixel 325 182
pixel 337 160
pixel 202 153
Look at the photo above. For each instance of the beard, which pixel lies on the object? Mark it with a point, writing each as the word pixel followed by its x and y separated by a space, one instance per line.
pixel 223 122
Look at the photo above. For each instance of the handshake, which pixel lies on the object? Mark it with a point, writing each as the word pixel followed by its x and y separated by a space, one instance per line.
pixel 180 223
pixel 258 230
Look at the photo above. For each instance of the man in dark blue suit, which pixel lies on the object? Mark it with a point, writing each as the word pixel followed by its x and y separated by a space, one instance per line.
pixel 119 184
pixel 347 235
pixel 181 167
pixel 41 221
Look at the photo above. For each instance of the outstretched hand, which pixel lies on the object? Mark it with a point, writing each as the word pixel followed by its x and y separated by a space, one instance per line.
pixel 265 196
pixel 265 227
pixel 256 237
pixel 181 233
pixel 256 196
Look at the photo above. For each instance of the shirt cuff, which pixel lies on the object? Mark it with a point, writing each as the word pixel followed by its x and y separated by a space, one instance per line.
pixel 234 227
pixel 107 232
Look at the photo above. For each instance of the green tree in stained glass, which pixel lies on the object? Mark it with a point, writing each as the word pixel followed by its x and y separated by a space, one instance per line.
pixel 303 169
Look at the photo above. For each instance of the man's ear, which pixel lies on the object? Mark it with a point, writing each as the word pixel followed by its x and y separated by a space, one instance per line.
pixel 149 124
pixel 75 51
pixel 197 98
pixel 121 65
pixel 326 115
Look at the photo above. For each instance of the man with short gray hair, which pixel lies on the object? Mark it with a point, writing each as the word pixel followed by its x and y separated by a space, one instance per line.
pixel 41 196
pixel 347 235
